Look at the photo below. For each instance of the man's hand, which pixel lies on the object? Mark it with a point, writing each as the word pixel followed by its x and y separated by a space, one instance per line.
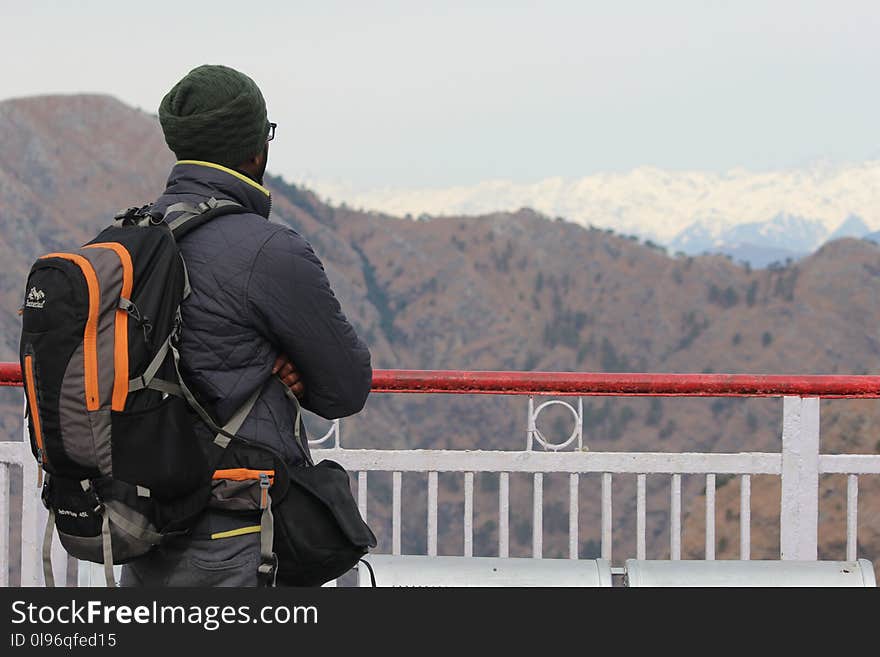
pixel 289 375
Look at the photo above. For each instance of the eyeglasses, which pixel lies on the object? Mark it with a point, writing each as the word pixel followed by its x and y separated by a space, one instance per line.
pixel 272 127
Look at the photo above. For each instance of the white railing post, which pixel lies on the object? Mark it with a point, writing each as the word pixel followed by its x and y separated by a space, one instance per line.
pixel 468 514
pixel 799 514
pixel 432 514
pixel 852 516
pixel 675 519
pixel 504 515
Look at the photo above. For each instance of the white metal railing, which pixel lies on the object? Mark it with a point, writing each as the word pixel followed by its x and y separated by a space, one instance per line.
pixel 799 465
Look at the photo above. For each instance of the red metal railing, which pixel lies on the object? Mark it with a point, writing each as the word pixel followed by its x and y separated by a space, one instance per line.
pixel 578 383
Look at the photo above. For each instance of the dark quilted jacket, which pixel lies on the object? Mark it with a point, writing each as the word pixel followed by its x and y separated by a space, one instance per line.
pixel 259 290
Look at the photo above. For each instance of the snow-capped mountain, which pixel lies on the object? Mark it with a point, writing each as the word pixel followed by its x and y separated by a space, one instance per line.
pixel 793 211
pixel 852 226
pixel 761 243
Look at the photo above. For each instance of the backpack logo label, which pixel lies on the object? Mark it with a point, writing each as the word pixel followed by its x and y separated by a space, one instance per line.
pixel 35 298
pixel 73 514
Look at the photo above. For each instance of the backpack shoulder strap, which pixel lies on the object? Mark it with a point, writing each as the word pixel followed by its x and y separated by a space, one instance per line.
pixel 192 216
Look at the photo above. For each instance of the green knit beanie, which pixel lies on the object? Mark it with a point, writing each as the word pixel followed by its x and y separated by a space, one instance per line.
pixel 215 114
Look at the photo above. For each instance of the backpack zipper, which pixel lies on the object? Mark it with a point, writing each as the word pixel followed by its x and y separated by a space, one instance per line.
pixel 120 342
pixel 90 338
pixel 31 391
pixel 242 474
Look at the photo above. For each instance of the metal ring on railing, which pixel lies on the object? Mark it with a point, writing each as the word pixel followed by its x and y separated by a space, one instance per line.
pixel 575 433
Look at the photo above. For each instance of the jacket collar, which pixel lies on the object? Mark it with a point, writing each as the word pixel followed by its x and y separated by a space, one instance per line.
pixel 208 179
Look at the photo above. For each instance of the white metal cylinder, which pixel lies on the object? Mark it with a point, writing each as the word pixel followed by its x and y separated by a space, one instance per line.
pixel 710 517
pixel 606 516
pixel 468 514
pixel 538 516
pixel 745 518
pixel 395 512
pixel 362 493
pixel 504 515
pixel 852 516
pixel 675 518
pixel 640 516
pixel 432 514
pixel 573 537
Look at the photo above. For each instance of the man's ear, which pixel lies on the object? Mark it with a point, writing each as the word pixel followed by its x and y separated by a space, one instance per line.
pixel 254 165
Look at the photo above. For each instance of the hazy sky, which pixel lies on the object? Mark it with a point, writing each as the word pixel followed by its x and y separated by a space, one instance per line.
pixel 440 93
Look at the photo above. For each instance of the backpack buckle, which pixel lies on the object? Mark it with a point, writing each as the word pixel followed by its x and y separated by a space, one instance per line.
pixel 264 490
pixel 267 571
pixel 134 214
pixel 176 327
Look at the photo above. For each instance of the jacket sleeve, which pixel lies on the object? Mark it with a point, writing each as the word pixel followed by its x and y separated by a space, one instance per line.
pixel 290 301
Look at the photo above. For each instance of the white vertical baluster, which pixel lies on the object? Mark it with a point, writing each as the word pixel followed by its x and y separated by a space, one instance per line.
pixel 531 425
pixel 745 518
pixel 83 574
pixel 675 519
pixel 395 513
pixel 606 516
pixel 72 572
pixel 504 515
pixel 4 524
pixel 710 517
pixel 432 514
pixel 538 517
pixel 640 516
pixel 89 574
pixel 31 528
pixel 852 516
pixel 362 493
pixel 468 514
pixel 573 538
pixel 60 562
pixel 580 423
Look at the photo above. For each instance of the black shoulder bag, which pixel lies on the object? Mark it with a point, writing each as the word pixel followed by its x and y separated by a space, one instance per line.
pixel 319 531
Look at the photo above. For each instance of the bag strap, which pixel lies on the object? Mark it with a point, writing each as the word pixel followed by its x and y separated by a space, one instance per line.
pixel 48 575
pixel 226 433
pixel 298 429
pixel 194 216
pixel 107 549
pixel 370 568
pixel 267 571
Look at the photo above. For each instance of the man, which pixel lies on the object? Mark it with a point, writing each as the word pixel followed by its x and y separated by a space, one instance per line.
pixel 261 305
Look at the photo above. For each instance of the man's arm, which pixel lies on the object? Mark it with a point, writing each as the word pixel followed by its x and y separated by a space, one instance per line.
pixel 292 304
